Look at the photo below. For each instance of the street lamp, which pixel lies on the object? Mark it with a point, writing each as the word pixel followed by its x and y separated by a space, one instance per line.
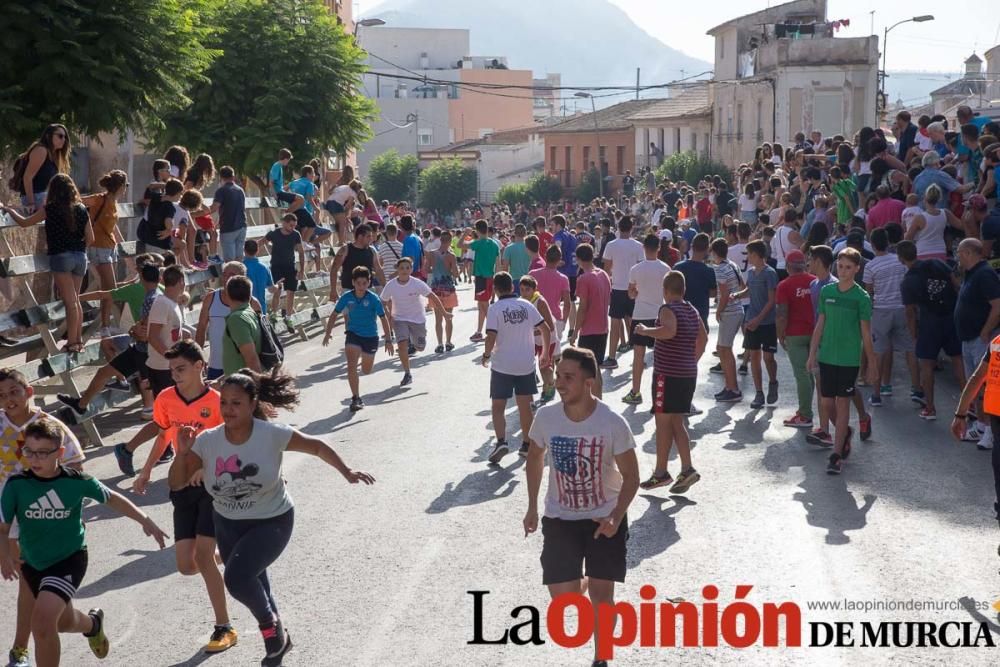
pixel 885 38
pixel 368 23
pixel 597 135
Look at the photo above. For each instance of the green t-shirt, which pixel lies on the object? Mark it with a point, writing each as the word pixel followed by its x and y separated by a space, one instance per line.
pixel 520 261
pixel 847 198
pixel 133 295
pixel 487 250
pixel 48 513
pixel 241 328
pixel 844 311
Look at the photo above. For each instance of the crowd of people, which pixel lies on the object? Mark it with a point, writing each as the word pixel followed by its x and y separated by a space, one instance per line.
pixel 836 254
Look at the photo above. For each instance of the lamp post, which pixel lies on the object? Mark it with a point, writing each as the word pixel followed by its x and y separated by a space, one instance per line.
pixel 414 118
pixel 367 23
pixel 885 38
pixel 597 135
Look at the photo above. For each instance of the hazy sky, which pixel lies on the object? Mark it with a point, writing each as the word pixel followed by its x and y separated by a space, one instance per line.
pixel 940 45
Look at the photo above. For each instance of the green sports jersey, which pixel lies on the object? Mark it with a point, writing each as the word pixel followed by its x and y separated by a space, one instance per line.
pixel 48 513
pixel 484 263
pixel 844 311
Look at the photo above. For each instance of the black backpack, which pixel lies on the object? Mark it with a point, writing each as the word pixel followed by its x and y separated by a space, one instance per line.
pixel 272 352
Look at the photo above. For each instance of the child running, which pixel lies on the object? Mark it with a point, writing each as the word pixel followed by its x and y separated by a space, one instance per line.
pixel 46 501
pixel 241 461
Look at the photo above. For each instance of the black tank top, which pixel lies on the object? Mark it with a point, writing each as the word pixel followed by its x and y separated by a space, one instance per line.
pixel 40 183
pixel 356 257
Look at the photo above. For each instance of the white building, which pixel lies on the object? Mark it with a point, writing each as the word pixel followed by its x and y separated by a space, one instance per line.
pixel 676 124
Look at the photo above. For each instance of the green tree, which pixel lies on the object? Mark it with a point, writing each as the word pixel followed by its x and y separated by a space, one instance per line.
pixel 691 167
pixel 446 185
pixel 589 187
pixel 287 78
pixel 98 66
pixel 544 189
pixel 513 194
pixel 392 176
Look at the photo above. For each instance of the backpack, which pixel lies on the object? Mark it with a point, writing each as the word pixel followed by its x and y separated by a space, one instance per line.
pixel 16 182
pixel 272 352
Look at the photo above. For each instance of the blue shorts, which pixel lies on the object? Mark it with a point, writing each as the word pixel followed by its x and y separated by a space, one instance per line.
pixel 334 207
pixel 285 197
pixel 368 344
pixel 69 262
pixel 503 385
pixel 102 255
pixel 935 334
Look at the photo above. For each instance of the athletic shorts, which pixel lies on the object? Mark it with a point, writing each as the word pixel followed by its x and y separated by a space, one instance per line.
pixel 62 578
pixel 672 396
pixel 596 343
pixel 639 339
pixel 572 288
pixel 935 334
pixel 568 545
pixel 889 331
pixel 285 197
pixel 837 381
pixel 729 326
pixel 503 386
pixel 764 337
pixel 484 289
pixel 192 513
pixel 130 362
pixel 159 380
pixel 621 305
pixel 288 273
pixel 304 219
pixel 415 333
pixel 368 344
pixel 333 207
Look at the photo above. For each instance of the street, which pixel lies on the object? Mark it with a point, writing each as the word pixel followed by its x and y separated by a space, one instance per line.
pixel 380 575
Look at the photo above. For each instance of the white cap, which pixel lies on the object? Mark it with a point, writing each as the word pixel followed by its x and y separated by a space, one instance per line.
pixel 666 234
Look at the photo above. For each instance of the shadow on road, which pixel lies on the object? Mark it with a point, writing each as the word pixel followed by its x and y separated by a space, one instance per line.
pixel 656 530
pixel 198 658
pixel 481 486
pixel 969 605
pixel 151 565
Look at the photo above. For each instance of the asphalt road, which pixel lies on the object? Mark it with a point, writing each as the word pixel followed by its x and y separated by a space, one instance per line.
pixel 379 575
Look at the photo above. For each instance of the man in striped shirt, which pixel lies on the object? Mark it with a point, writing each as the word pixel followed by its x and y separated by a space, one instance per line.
pixel 389 252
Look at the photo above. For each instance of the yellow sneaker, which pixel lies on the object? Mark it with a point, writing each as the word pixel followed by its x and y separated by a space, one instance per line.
pixel 99 644
pixel 223 638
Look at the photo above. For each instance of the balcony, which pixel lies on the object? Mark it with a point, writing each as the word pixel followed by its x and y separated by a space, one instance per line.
pixel 824 51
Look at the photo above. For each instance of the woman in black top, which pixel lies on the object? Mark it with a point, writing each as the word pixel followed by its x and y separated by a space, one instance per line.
pixel 68 232
pixel 44 159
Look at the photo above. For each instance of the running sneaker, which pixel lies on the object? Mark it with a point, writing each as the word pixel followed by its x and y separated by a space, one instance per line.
pixel 356 404
pixel 99 644
pixel 477 337
pixel 986 440
pixel 167 456
pixel 743 370
pixel 655 481
pixel 439 349
pixel 124 458
pixel 609 363
pixel 74 403
pixel 276 646
pixel 716 369
pixel 449 347
pixel 223 637
pixel 215 259
pixel 407 379
pixel 632 398
pixel 500 450
pixel 798 421
pixel 599 663
pixel 412 350
pixel 865 426
pixel 972 433
pixel 685 481
pixel 18 657
pixel 729 396
pixel 548 394
pixel 875 401
pixel 758 401
pixel 119 385
pixel 928 414
pixel 820 437
pixel 623 348
pixel 523 451
pixel 772 394
pixel 918 397
pixel 835 465
pixel 885 390
pixel 693 411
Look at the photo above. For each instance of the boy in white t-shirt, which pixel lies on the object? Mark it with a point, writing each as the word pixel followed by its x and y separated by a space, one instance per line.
pixel 911 211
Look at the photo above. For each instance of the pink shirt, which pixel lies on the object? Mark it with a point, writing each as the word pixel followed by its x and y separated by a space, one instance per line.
pixel 884 212
pixel 595 287
pixel 552 285
pixel 536 263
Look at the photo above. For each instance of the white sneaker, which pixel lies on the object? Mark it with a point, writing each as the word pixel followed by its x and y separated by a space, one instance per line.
pixel 972 433
pixel 986 441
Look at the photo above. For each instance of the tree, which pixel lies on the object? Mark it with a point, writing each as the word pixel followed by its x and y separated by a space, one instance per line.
pixel 545 189
pixel 392 176
pixel 691 167
pixel 446 185
pixel 589 187
pixel 98 66
pixel 513 194
pixel 287 78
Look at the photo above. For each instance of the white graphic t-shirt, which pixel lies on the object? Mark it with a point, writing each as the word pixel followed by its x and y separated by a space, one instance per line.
pixel 514 321
pixel 408 299
pixel 584 481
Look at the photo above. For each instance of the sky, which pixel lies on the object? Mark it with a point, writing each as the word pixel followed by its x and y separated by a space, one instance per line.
pixel 936 46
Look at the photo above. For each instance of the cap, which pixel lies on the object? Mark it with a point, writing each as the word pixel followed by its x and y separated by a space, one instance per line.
pixel 978 202
pixel 795 257
pixel 666 234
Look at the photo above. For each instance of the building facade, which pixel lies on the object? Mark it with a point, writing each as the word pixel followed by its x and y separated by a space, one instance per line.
pixel 677 124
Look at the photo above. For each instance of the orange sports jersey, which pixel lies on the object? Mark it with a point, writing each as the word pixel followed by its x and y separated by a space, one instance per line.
pixel 171 411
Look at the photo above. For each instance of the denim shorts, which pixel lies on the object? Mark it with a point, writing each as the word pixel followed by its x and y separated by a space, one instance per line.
pixel 102 255
pixel 69 262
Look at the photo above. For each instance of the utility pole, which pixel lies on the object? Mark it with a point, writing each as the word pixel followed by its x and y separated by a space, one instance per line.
pixel 636 83
pixel 414 119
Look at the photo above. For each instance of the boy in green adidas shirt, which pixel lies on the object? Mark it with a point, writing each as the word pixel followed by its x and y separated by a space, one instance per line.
pixel 842 333
pixel 47 500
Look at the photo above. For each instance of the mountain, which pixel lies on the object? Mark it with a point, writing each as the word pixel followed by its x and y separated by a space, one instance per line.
pixel 602 45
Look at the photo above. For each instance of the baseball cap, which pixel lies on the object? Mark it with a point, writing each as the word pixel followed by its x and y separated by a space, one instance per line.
pixel 977 202
pixel 666 234
pixel 795 257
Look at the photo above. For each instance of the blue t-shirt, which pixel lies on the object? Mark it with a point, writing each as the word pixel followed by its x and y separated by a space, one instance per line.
pixel 278 177
pixel 980 286
pixel 567 243
pixel 760 284
pixel 699 280
pixel 814 287
pixel 306 188
pixel 362 313
pixel 414 249
pixel 260 278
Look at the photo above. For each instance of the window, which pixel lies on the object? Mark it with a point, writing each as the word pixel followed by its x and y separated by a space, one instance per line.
pixel 729 124
pixel 453 92
pixel 760 119
pixel 586 158
pixel 708 145
pixel 677 140
pixel 568 166
pixel 620 160
pixel 484 131
pixel 603 157
pixel 425 136
pixel 739 122
pixel 722 47
pixel 694 142
pixel 552 158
